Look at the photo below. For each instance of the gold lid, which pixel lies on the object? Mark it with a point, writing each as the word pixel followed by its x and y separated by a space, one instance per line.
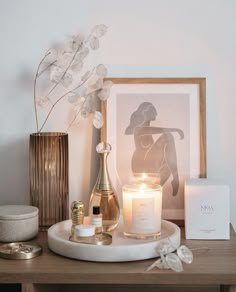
pixel 19 251
pixel 77 206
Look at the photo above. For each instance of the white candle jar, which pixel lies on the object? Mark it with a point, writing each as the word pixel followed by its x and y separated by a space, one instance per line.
pixel 142 207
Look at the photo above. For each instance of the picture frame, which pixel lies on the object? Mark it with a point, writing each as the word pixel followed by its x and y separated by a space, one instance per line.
pixel 171 142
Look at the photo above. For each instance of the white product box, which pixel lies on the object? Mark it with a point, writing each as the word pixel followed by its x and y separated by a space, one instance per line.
pixel 207 209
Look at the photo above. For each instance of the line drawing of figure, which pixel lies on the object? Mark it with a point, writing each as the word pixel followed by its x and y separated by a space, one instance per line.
pixel 150 155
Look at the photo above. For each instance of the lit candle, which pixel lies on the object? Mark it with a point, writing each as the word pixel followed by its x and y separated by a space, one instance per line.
pixel 153 178
pixel 142 205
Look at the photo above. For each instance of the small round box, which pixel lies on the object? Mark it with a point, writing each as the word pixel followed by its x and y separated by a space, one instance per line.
pixel 18 223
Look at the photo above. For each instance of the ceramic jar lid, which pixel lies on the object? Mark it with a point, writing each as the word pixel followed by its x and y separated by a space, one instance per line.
pixel 17 212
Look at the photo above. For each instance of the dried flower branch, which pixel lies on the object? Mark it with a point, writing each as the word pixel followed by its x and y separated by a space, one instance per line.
pixel 35 85
pixel 67 73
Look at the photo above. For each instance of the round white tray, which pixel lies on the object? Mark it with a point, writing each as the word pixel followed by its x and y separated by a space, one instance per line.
pixel 122 249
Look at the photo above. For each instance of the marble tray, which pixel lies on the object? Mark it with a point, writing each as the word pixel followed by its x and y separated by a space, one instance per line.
pixel 122 249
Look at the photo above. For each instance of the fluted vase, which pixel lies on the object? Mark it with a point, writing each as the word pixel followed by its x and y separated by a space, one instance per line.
pixel 48 170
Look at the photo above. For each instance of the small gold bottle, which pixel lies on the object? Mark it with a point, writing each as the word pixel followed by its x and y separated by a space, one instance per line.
pixel 77 214
pixel 96 219
pixel 103 194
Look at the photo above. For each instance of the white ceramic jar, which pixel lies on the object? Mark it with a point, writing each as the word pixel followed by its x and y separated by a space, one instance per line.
pixel 18 223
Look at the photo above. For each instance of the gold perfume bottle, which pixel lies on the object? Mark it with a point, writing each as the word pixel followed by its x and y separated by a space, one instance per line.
pixel 103 194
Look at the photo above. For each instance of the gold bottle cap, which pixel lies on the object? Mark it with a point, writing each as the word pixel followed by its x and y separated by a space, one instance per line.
pixel 19 251
pixel 77 205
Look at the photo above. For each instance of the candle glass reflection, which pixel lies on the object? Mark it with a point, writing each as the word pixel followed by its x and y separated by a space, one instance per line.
pixel 142 206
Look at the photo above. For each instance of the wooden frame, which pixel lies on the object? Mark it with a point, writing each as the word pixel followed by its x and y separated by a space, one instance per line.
pixel 197 83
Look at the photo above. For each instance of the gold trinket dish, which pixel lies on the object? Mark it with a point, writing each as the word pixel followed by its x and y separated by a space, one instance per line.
pixel 19 251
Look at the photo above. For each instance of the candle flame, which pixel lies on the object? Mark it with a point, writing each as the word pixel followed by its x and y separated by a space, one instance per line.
pixel 144 176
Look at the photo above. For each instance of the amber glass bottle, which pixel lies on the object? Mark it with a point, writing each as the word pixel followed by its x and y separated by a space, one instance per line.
pixel 103 194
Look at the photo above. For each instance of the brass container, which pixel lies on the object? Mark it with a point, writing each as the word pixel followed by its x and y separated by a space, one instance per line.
pixel 77 214
pixel 48 166
pixel 19 251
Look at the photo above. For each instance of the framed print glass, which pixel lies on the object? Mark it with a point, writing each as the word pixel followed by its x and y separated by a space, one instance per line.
pixel 157 126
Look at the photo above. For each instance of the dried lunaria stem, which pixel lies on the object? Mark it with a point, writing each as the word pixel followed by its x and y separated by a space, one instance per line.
pixel 69 76
pixel 171 260
pixel 35 89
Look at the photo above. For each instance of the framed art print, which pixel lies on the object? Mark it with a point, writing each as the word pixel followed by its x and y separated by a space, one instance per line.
pixel 157 126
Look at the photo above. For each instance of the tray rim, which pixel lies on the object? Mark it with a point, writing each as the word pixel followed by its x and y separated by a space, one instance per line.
pixel 109 253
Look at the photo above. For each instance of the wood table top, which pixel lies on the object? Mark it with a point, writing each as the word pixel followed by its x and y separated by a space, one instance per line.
pixel 214 264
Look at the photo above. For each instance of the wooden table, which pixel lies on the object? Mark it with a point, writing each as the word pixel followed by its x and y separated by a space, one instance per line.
pixel 213 269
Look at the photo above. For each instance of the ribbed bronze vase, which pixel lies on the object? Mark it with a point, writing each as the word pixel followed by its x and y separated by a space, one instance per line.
pixel 48 166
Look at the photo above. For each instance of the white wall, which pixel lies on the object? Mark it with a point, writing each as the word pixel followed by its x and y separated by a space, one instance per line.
pixel 159 38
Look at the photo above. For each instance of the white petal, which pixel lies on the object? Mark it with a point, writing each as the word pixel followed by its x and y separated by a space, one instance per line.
pixel 80 113
pixel 89 104
pixel 97 85
pixel 107 84
pixel 104 94
pixel 66 80
pixel 43 101
pixel 174 262
pixel 185 254
pixel 101 71
pixel 75 42
pixel 85 76
pixel 76 66
pixel 97 120
pixel 103 147
pixel 56 74
pixel 83 53
pixel 81 91
pixel 79 102
pixel 93 43
pixel 84 114
pixel 64 59
pixel 100 30
pixel 72 98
